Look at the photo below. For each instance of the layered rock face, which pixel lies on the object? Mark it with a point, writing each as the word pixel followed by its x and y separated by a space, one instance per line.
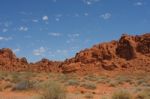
pixel 129 53
pixel 45 65
pixel 9 61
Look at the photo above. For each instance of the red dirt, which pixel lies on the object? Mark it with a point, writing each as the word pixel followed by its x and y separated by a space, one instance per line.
pixel 128 54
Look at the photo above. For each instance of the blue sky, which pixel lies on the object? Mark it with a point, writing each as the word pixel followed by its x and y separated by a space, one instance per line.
pixel 57 29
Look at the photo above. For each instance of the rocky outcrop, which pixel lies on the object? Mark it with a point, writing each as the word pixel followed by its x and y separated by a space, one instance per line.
pixel 9 61
pixel 45 65
pixel 129 53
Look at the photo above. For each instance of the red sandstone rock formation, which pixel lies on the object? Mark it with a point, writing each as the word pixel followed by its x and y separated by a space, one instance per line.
pixel 129 53
pixel 45 65
pixel 8 61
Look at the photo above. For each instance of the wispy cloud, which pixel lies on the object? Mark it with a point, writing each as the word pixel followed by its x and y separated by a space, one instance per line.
pixel 57 19
pixel 106 16
pixel 16 50
pixel 35 20
pixel 72 38
pixel 58 16
pixel 54 34
pixel 4 30
pixel 45 18
pixel 138 3
pixel 23 28
pixel 89 2
pixel 40 51
pixel 73 35
pixel 54 0
pixel 86 14
pixel 25 13
pixel 7 23
pixel 5 38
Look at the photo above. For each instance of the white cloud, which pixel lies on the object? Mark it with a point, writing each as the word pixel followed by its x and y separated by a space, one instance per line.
pixel 45 18
pixel 25 13
pixel 4 30
pixel 73 35
pixel 54 0
pixel 106 16
pixel 7 24
pixel 54 34
pixel 22 28
pixel 35 20
pixel 57 19
pixel 61 51
pixel 5 38
pixel 86 14
pixel 89 2
pixel 77 15
pixel 72 38
pixel 16 50
pixel 138 4
pixel 40 51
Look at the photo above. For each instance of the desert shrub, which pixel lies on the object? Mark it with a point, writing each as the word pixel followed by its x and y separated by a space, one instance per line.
pixel 144 94
pixel 53 90
pixel 15 77
pixel 146 84
pixel 23 85
pixel 63 77
pixel 104 97
pixel 141 81
pixel 113 83
pixel 103 81
pixel 121 95
pixel 91 78
pixel 88 96
pixel 73 82
pixel 89 85
pixel 122 79
pixel 27 75
pixel 3 75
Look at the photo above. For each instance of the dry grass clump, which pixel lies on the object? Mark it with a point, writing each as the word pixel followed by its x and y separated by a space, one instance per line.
pixel 89 85
pixel 91 78
pixel 53 90
pixel 73 82
pixel 122 94
pixel 89 96
pixel 145 94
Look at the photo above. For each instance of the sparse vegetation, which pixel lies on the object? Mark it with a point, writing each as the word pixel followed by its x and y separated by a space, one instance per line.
pixel 88 96
pixel 73 82
pixel 23 85
pixel 122 94
pixel 89 85
pixel 53 90
pixel 145 94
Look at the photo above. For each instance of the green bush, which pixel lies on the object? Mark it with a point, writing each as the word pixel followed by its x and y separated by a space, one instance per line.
pixel 121 95
pixel 53 90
